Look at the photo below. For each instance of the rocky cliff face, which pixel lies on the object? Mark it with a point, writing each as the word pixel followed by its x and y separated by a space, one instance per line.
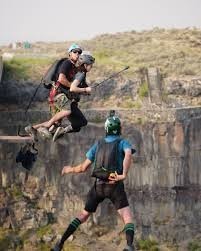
pixel 113 93
pixel 164 182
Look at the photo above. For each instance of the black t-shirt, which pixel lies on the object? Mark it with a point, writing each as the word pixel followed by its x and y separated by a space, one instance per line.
pixel 68 69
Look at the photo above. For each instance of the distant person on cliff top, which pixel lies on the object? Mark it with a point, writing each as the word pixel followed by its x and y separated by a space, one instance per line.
pixel 64 101
pixel 112 159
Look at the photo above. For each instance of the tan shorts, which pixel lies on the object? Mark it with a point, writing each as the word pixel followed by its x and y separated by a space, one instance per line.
pixel 61 102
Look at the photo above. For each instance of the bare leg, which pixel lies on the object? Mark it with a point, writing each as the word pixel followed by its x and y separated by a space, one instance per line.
pixel 126 215
pixel 129 230
pixel 54 119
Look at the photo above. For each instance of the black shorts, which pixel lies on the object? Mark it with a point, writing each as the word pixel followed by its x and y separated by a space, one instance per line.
pixel 99 192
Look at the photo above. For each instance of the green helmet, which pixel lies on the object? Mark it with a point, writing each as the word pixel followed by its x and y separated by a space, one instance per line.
pixel 113 126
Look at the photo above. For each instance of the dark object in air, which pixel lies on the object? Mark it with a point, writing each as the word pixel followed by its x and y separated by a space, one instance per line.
pixel 27 155
pixel 51 75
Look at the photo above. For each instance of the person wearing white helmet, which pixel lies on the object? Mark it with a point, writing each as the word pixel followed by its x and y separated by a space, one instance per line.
pixel 65 74
pixel 59 103
pixel 78 86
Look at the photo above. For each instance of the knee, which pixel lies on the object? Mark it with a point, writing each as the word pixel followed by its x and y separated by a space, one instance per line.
pixel 65 113
pixel 84 216
pixel 126 215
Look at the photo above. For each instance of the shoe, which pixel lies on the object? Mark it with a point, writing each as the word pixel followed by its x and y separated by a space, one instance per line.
pixel 56 247
pixel 60 131
pixel 32 132
pixel 53 128
pixel 44 132
pixel 129 248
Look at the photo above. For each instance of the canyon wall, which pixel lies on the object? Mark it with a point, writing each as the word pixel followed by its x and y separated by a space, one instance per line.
pixel 163 185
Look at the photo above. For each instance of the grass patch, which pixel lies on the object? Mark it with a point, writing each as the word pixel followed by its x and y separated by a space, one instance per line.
pixel 194 246
pixel 97 119
pixel 175 51
pixel 15 192
pixel 20 68
pixel 43 247
pixel 9 240
pixel 26 235
pixel 148 245
pixel 40 232
pixel 4 243
pixel 73 247
pixel 143 90
pixel 131 104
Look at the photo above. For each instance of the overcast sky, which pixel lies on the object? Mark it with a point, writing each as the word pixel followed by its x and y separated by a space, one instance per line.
pixel 61 20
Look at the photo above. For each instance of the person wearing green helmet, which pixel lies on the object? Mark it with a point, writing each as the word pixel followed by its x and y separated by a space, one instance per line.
pixel 113 126
pixel 111 157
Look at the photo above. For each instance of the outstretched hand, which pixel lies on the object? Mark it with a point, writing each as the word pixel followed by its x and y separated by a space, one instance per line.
pixel 66 170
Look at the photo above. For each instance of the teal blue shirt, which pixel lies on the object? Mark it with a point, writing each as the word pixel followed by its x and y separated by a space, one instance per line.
pixel 123 145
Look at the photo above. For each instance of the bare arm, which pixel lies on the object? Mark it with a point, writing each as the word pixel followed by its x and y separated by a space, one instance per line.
pixel 126 166
pixel 127 162
pixel 63 80
pixel 81 168
pixel 74 87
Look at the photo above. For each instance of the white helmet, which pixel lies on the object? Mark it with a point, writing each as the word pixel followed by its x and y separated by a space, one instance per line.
pixel 75 47
pixel 86 59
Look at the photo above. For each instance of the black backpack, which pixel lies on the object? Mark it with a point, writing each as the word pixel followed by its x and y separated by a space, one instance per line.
pixel 52 73
pixel 106 159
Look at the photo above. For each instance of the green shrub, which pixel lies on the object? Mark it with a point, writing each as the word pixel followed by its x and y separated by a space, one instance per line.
pixel 143 90
pixel 15 192
pixel 9 239
pixel 13 69
pixel 25 235
pixel 43 231
pixel 194 246
pixel 148 245
pixel 20 68
pixel 43 247
pixel 4 243
pixel 130 104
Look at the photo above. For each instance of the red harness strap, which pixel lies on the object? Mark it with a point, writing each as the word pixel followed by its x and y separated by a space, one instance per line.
pixel 53 92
